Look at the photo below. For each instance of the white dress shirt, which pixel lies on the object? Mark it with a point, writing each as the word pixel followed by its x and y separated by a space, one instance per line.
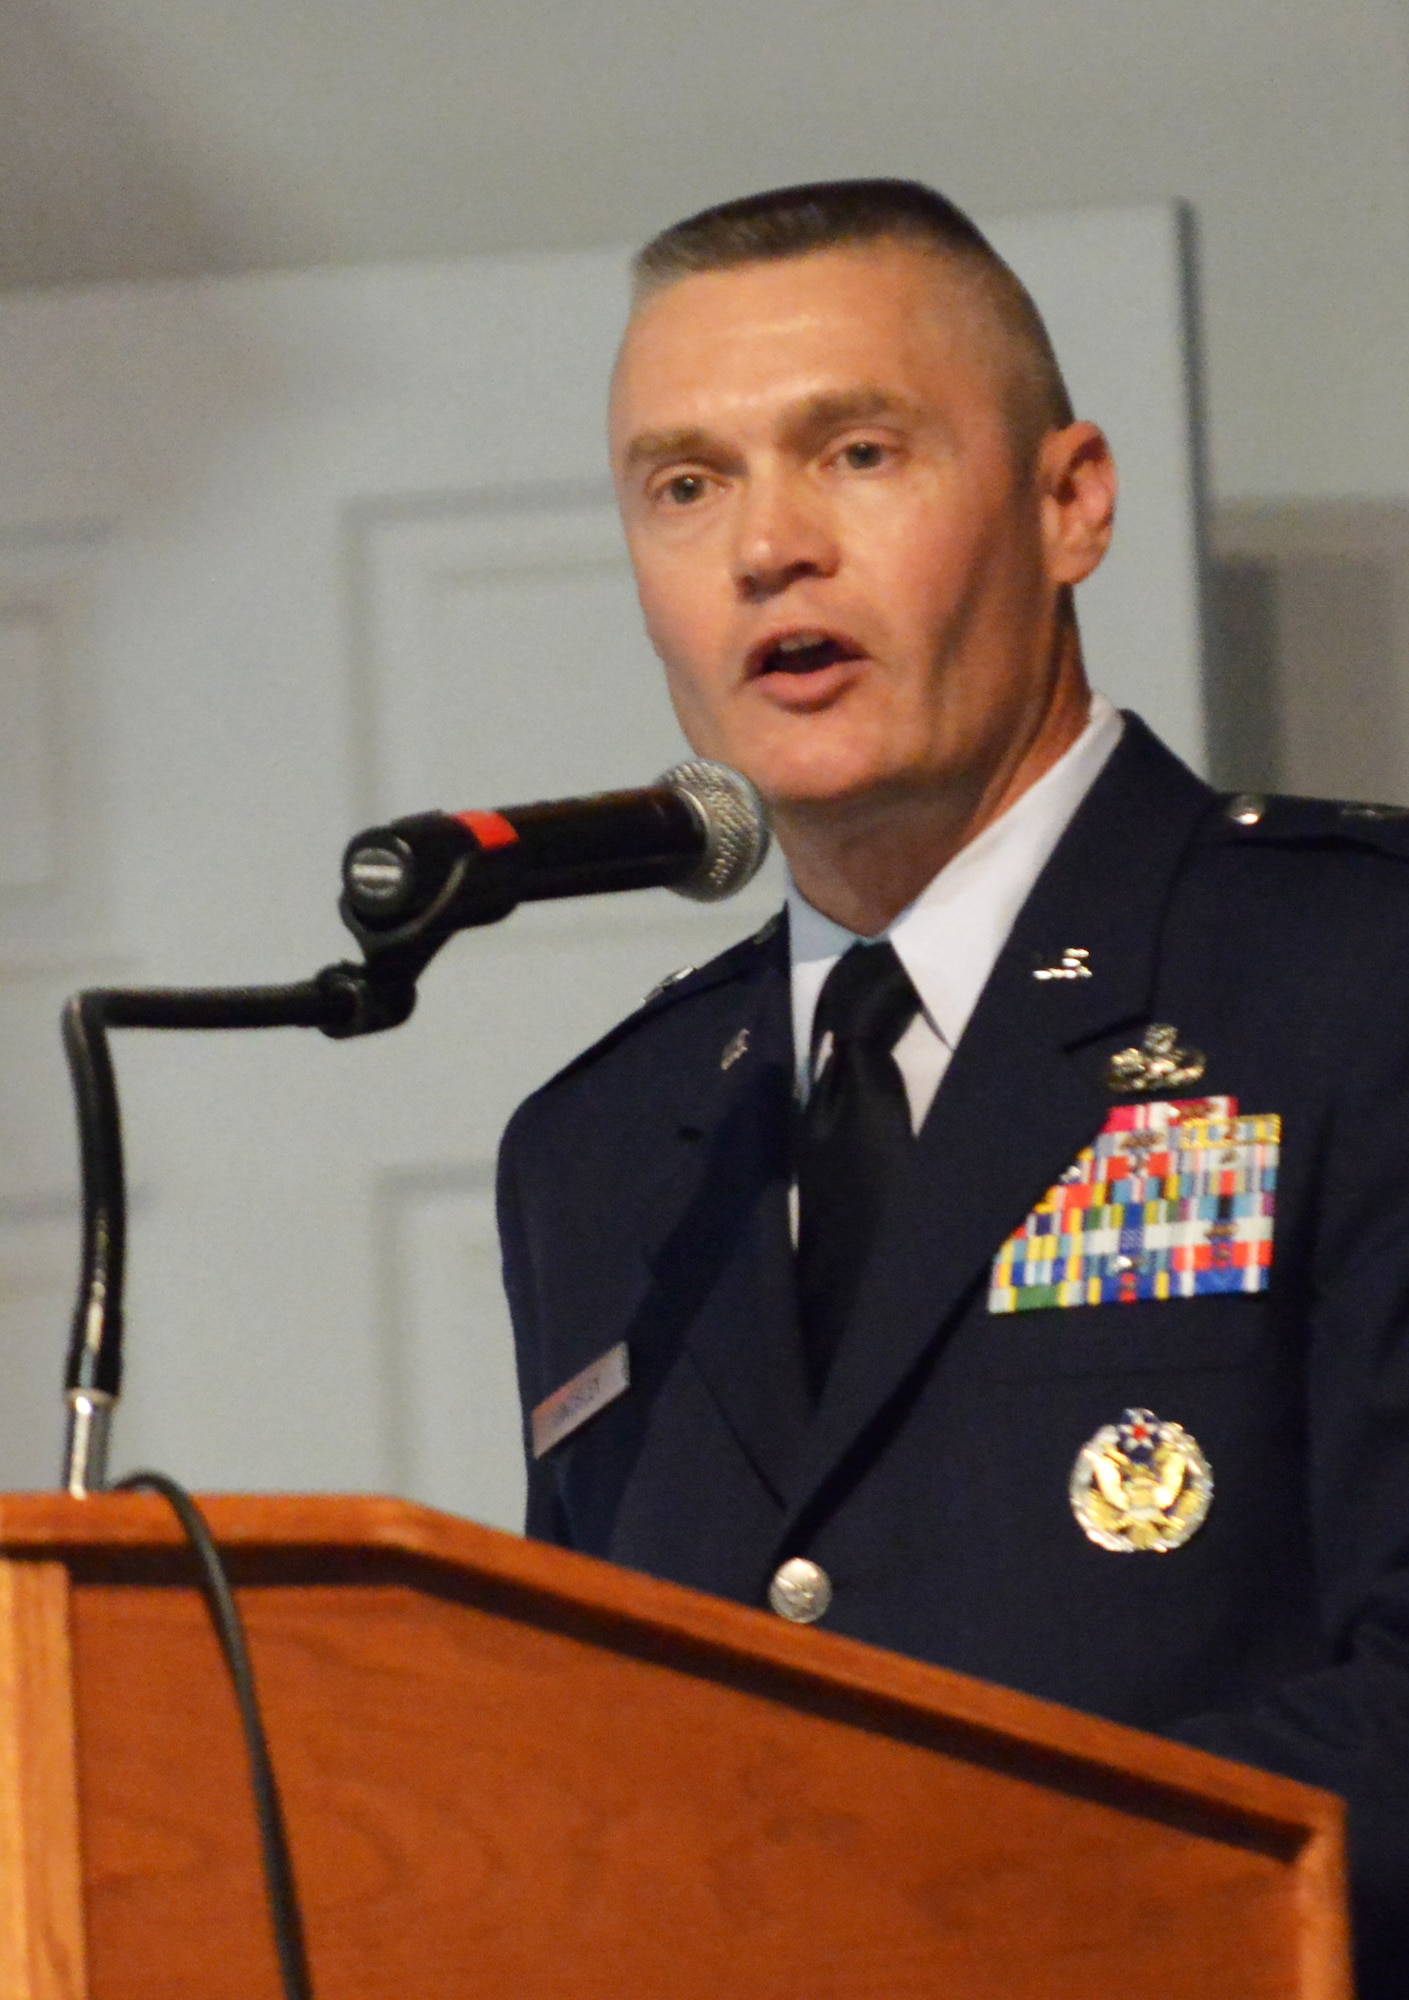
pixel 950 936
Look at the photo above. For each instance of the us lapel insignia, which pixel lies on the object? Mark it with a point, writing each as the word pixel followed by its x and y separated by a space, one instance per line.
pixel 1158 1064
pixel 1171 1200
pixel 1140 1485
pixel 664 985
pixel 739 1046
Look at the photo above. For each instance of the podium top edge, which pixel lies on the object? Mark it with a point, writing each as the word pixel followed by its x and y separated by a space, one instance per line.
pixel 695 1632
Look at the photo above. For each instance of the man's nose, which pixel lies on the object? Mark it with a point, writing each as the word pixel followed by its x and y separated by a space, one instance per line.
pixel 782 534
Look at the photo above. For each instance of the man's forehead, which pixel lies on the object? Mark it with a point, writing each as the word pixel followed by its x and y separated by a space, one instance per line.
pixel 779 298
pixel 842 333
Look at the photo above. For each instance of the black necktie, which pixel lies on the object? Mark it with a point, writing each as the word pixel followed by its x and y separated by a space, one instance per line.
pixel 853 1136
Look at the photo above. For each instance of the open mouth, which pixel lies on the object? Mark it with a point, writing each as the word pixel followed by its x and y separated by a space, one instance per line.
pixel 803 653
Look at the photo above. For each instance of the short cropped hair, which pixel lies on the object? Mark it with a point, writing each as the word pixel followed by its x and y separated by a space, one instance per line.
pixel 839 215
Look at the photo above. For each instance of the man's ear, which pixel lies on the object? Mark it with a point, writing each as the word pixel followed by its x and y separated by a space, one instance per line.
pixel 1077 485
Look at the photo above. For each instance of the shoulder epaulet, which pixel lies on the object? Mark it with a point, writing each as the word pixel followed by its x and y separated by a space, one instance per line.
pixel 1334 822
pixel 689 978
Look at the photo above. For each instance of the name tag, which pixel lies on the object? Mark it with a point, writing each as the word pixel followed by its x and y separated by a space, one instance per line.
pixel 1171 1200
pixel 590 1390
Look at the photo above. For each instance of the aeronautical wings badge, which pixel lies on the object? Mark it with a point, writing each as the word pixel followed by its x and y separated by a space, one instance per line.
pixel 1140 1484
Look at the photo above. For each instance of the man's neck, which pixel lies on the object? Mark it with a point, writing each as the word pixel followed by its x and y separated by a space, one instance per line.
pixel 864 863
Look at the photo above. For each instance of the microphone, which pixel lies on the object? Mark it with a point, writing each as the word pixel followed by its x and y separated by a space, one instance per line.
pixel 700 830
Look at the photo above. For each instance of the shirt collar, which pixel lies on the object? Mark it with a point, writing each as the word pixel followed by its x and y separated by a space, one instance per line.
pixel 949 938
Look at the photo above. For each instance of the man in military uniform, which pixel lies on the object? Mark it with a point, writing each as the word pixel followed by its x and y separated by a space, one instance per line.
pixel 1009 1245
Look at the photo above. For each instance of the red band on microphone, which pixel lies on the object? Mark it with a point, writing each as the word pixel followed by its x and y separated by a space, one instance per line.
pixel 490 829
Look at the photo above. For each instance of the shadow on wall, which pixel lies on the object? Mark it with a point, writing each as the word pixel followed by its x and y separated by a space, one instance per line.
pixel 98 182
pixel 1308 651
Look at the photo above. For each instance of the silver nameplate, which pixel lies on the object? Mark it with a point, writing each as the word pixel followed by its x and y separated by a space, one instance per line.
pixel 590 1390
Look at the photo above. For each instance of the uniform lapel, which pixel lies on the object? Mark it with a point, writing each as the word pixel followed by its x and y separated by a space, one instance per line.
pixel 722 1263
pixel 1026 1088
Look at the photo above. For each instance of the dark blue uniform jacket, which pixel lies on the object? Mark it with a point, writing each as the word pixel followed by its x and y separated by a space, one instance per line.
pixel 643 1195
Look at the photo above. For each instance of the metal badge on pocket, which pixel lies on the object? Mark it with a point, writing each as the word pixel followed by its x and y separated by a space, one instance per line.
pixel 1140 1485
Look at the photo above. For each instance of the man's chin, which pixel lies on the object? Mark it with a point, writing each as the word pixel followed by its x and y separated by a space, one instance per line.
pixel 815 788
pixel 823 764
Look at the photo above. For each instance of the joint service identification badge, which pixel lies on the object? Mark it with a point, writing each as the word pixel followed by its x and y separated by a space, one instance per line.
pixel 1140 1485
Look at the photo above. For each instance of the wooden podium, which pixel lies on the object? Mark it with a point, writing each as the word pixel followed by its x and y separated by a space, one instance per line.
pixel 512 1773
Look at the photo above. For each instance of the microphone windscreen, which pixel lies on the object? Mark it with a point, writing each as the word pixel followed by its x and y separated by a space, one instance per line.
pixel 735 827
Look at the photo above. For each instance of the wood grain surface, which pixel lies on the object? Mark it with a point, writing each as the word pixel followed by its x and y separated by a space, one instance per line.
pixel 514 1772
pixel 41 1908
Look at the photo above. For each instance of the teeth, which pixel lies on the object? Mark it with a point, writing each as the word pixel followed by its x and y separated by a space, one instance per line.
pixel 799 642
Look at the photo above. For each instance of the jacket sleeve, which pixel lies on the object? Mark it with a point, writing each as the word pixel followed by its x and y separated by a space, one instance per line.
pixel 1346 1726
pixel 543 1519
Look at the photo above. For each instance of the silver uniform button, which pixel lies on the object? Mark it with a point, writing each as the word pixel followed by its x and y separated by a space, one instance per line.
pixel 800 1591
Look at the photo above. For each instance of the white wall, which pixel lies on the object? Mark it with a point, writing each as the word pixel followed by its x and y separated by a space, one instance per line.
pixel 140 137
pixel 147 137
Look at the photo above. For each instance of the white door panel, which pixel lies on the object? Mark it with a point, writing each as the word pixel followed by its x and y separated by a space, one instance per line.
pixel 521 599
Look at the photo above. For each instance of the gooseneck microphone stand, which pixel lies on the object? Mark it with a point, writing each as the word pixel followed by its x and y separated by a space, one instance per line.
pixel 342 1000
pixel 399 936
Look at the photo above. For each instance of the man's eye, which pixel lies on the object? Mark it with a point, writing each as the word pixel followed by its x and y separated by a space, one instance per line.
pixel 863 455
pixel 684 489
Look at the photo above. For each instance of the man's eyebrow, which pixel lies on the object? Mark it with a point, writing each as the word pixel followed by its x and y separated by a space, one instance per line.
pixel 660 447
pixel 834 409
pixel 804 425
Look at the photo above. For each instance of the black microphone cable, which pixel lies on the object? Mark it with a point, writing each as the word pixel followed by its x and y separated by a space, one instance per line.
pixel 280 1890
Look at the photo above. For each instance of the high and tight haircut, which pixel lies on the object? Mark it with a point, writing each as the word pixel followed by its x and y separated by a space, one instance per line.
pixel 838 215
